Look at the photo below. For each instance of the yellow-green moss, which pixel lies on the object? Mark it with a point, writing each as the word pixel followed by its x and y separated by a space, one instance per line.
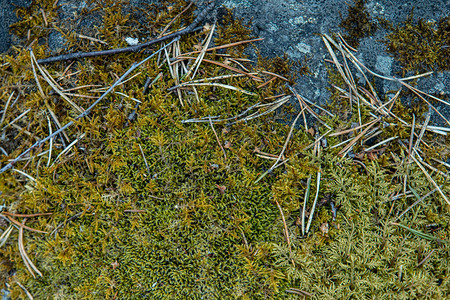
pixel 421 45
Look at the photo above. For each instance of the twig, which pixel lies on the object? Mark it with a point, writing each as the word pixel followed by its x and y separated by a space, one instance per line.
pixel 189 29
pixel 298 292
pixel 135 210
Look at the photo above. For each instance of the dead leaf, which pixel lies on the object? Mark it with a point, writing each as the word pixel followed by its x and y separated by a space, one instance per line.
pixel 221 188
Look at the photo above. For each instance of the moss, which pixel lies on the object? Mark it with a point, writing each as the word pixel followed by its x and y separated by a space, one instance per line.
pixel 358 23
pixel 153 208
pixel 420 45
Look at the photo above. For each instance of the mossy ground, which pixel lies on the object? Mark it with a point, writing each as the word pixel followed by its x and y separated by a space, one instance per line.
pixel 155 208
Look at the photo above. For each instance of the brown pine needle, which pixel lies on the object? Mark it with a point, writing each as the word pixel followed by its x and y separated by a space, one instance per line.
pixel 221 47
pixel 53 84
pixel 286 232
pixel 266 83
pixel 226 67
pixel 426 258
pixel 298 292
pixel 348 130
pixel 25 215
pixel 92 39
pixel 217 138
pixel 174 19
pixel 275 75
pixel 22 225
pixel 344 151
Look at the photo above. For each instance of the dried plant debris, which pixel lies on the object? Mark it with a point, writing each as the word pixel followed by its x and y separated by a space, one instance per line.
pixel 163 173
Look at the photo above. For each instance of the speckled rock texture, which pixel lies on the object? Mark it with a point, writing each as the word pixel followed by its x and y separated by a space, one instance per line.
pixel 294 27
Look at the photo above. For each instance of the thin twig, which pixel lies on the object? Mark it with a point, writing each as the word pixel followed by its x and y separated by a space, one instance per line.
pixel 177 34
